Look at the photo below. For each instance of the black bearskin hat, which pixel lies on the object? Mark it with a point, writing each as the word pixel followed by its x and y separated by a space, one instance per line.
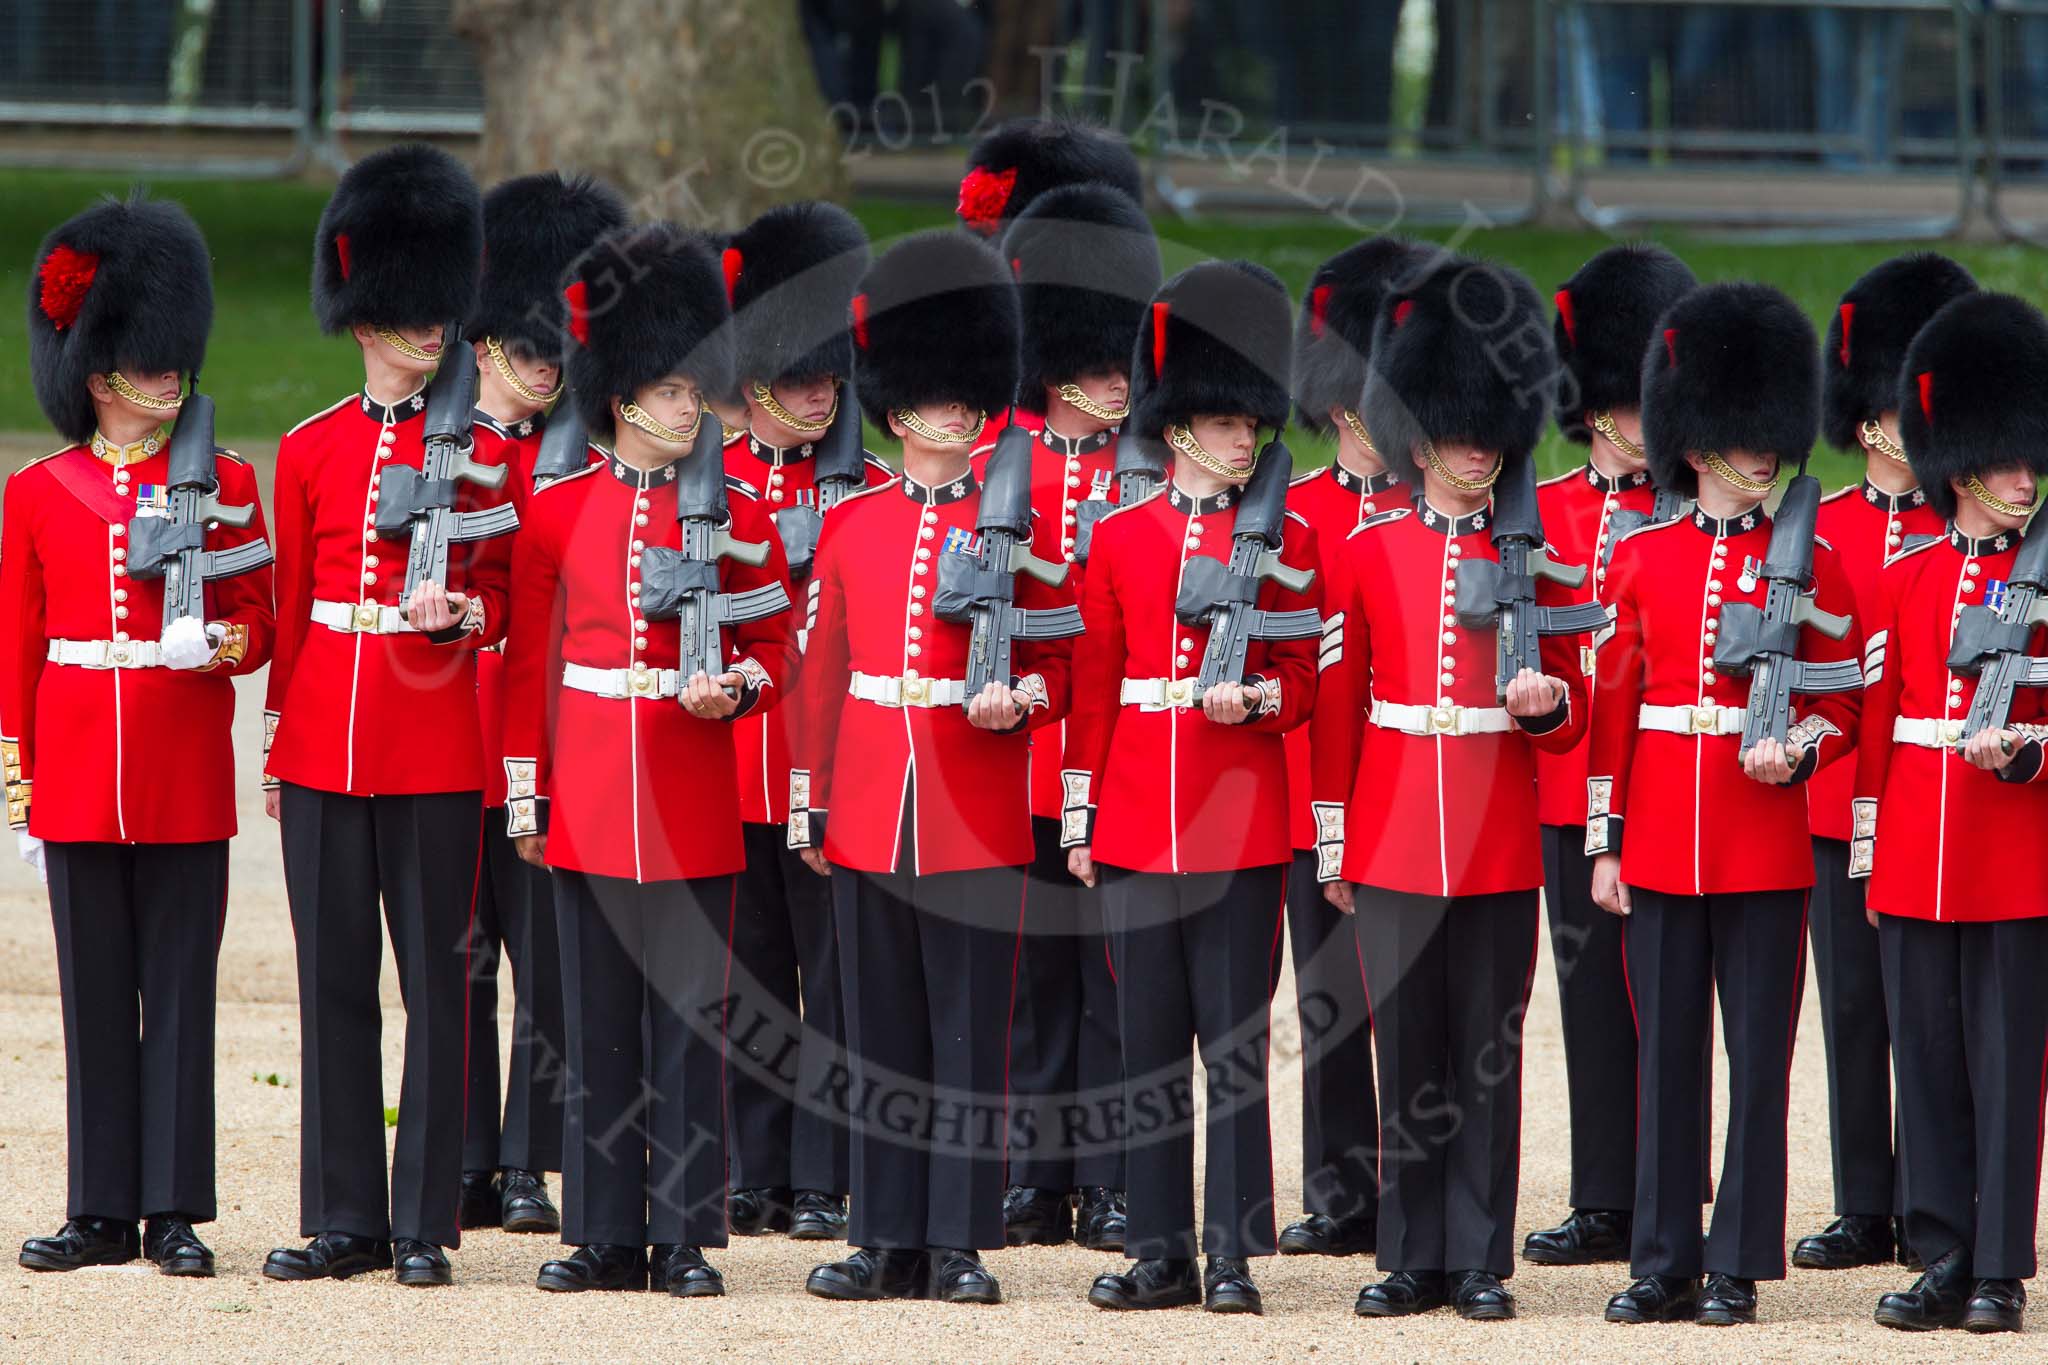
pixel 645 303
pixel 535 228
pixel 400 244
pixel 1333 332
pixel 1971 395
pixel 1606 314
pixel 1086 262
pixel 1730 367
pixel 1867 338
pixel 1218 338
pixel 125 285
pixel 791 273
pixel 1024 158
pixel 1462 353
pixel 935 321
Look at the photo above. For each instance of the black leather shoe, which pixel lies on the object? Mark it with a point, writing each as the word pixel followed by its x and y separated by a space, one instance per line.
pixel 683 1273
pixel 1099 1224
pixel 329 1256
pixel 818 1217
pixel 1479 1296
pixel 481 1206
pixel 176 1249
pixel 601 1265
pixel 1402 1294
pixel 1588 1237
pixel 756 1211
pixel 872 1273
pixel 1850 1241
pixel 1656 1298
pixel 1148 1284
pixel 1321 1235
pixel 421 1265
pixel 1227 1287
pixel 1997 1306
pixel 1035 1217
pixel 82 1242
pixel 1939 1298
pixel 1726 1301
pixel 960 1277
pixel 525 1203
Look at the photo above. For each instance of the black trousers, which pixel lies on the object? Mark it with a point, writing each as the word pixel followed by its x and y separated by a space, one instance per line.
pixel 1681 949
pixel 1859 1048
pixel 929 966
pixel 1196 958
pixel 786 1025
pixel 1340 1120
pixel 418 855
pixel 1066 1048
pixel 515 920
pixel 1969 1035
pixel 1599 1025
pixel 643 975
pixel 138 931
pixel 1448 979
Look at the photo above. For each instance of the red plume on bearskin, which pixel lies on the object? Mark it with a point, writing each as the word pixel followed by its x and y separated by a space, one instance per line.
pixel 983 195
pixel 66 275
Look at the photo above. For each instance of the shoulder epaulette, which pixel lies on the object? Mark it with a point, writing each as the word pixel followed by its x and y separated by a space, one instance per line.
pixel 1830 497
pixel 1565 477
pixel 1823 543
pixel 1117 511
pixel 570 477
pixel 1299 479
pixel 740 485
pixel 491 424
pixel 223 453
pixel 864 492
pixel 877 462
pixel 1380 519
pixel 327 411
pixel 51 456
pixel 1295 516
pixel 1646 527
pixel 1913 546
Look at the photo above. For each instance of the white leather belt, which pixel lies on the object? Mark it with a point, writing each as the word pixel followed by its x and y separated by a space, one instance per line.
pixel 1928 732
pixel 361 618
pixel 907 691
pixel 1690 720
pixel 620 683
pixel 1441 720
pixel 107 653
pixel 1160 694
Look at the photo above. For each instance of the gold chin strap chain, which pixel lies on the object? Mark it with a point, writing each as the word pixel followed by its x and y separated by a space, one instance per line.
pixel 1459 481
pixel 1603 422
pixel 402 346
pixel 637 415
pixel 766 399
pixel 1183 440
pixel 511 376
pixel 1872 435
pixel 1727 473
pixel 1072 394
pixel 911 420
pixel 1357 425
pixel 1994 502
pixel 118 382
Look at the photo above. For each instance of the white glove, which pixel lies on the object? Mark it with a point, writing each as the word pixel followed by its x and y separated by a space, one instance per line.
pixel 188 643
pixel 32 853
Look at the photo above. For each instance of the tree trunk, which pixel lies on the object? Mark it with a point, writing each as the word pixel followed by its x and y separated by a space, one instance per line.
pixel 1015 28
pixel 703 111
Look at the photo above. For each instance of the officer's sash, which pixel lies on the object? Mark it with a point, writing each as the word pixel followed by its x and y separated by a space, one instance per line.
pixel 83 477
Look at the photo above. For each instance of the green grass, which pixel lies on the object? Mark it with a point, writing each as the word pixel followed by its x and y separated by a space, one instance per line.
pixel 269 366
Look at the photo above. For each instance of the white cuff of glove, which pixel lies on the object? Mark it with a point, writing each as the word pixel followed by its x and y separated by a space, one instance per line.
pixel 189 643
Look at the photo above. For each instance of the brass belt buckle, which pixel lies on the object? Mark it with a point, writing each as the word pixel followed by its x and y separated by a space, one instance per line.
pixel 1949 732
pixel 1443 720
pixel 368 616
pixel 118 654
pixel 1180 692
pixel 1704 720
pixel 915 691
pixel 641 682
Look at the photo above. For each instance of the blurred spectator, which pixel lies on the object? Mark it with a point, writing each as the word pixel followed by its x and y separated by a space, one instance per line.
pixel 1627 43
pixel 1854 55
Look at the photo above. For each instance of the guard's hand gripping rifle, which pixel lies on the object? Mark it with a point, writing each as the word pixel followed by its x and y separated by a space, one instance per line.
pixel 1138 477
pixel 682 585
pixel 1220 595
pixel 173 547
pixel 1992 645
pixel 1763 645
pixel 423 499
pixel 840 470
pixel 1503 595
pixel 981 588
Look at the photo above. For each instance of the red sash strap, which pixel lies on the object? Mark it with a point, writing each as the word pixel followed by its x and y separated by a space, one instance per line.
pixel 84 477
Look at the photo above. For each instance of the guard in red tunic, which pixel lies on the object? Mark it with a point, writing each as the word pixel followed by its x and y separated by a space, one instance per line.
pixel 1340 1133
pixel 1716 866
pixel 1177 779
pixel 1085 261
pixel 1606 314
pixel 116 706
pixel 372 726
pixel 1866 523
pixel 1425 783
pixel 535 227
pixel 928 787
pixel 790 274
pixel 1962 926
pixel 611 712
